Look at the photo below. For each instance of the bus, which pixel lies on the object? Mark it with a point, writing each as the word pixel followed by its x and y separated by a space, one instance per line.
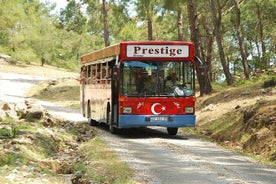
pixel 140 84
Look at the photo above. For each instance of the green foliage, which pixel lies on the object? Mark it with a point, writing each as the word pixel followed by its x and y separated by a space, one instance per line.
pixel 8 159
pixel 23 55
pixel 9 130
pixel 45 145
pixel 30 32
pixel 72 19
pixel 8 133
pixel 269 83
pixel 106 166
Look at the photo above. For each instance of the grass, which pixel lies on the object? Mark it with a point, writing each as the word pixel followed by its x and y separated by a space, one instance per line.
pixel 65 93
pixel 34 152
pixel 98 163
pixel 248 130
pixel 9 159
pixel 105 165
pixel 9 130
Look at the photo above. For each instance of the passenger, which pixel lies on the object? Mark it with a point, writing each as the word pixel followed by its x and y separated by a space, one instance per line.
pixel 142 78
pixel 179 90
pixel 172 81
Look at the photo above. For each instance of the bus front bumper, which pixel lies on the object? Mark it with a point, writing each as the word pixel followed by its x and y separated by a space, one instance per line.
pixel 173 121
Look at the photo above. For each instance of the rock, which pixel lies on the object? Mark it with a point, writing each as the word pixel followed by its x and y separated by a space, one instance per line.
pixel 261 101
pixel 207 132
pixel 48 122
pixel 34 111
pixel 12 114
pixel 247 114
pixel 269 83
pixel 210 107
pixel 20 109
pixel 4 56
pixel 52 83
pixel 245 93
pixel 31 102
pixel 2 115
pixel 33 114
pixel 76 178
pixel 6 107
pixel 64 168
pixel 21 141
pixel 226 95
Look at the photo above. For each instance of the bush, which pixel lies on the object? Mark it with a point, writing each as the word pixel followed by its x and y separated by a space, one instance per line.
pixel 269 83
pixel 26 56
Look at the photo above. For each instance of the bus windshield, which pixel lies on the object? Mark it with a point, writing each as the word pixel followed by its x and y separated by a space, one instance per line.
pixel 157 78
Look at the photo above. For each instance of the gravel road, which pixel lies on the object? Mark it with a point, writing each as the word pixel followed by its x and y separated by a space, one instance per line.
pixel 155 156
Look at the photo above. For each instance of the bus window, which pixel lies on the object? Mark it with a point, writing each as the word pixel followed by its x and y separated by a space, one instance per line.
pixel 89 74
pixel 98 73
pixel 154 78
pixel 83 75
pixel 104 73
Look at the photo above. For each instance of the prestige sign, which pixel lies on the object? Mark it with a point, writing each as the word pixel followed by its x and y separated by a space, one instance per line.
pixel 159 51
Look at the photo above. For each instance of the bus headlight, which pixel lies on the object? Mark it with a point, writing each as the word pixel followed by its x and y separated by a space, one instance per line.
pixel 127 110
pixel 189 110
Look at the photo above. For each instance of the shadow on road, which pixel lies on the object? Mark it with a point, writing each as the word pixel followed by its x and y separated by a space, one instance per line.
pixel 143 133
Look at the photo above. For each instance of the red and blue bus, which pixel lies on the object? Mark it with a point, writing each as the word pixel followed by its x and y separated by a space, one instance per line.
pixel 140 84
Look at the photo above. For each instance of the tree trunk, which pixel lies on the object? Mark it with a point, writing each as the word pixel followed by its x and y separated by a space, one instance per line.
pixel 180 24
pixel 43 61
pixel 240 38
pixel 216 23
pixel 207 50
pixel 106 28
pixel 261 29
pixel 150 37
pixel 201 69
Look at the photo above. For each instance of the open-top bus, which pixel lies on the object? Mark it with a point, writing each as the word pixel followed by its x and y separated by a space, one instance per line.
pixel 140 84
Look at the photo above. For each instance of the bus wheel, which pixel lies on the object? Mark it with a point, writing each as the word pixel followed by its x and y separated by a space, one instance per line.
pixel 113 129
pixel 172 131
pixel 91 121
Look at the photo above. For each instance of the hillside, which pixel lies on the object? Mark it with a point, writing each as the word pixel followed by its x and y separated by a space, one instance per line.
pixel 242 118
pixel 39 147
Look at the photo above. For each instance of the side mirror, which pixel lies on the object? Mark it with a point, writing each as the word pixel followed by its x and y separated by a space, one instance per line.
pixel 116 72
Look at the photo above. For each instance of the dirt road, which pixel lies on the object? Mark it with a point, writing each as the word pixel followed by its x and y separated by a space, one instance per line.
pixel 157 157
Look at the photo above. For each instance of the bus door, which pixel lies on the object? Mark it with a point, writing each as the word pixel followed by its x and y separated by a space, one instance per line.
pixel 115 95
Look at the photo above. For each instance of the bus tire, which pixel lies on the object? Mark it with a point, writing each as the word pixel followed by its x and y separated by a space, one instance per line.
pixel 112 128
pixel 172 131
pixel 91 121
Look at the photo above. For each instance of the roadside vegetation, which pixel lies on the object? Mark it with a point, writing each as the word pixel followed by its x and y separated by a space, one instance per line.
pixel 57 153
pixel 65 92
pixel 50 149
pixel 241 117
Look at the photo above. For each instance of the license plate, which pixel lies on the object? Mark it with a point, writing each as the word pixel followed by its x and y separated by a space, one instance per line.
pixel 159 118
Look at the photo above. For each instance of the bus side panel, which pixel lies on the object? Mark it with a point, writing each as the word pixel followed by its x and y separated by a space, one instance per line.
pixel 98 95
pixel 174 121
